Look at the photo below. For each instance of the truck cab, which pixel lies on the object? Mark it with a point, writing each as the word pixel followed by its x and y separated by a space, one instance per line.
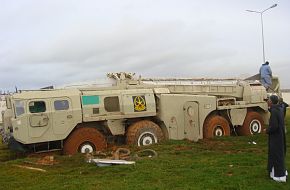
pixel 41 116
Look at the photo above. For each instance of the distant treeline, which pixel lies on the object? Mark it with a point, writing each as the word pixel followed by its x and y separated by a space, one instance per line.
pixel 285 90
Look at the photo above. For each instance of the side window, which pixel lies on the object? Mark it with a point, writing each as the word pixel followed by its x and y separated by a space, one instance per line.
pixel 19 107
pixel 112 104
pixel 37 107
pixel 61 105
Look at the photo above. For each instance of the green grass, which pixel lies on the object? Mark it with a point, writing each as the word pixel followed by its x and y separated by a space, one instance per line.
pixel 224 163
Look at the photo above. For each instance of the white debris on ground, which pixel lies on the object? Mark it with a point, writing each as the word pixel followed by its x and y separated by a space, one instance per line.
pixel 108 162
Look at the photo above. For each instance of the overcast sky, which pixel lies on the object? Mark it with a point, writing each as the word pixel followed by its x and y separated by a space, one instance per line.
pixel 55 42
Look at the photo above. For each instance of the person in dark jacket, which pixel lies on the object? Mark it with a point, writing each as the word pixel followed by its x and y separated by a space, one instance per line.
pixel 276 141
pixel 284 106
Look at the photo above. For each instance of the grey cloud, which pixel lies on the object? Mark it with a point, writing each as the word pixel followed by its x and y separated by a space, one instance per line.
pixel 64 43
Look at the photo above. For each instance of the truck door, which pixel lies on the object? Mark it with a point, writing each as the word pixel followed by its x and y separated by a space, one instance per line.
pixel 62 115
pixel 39 116
pixel 191 121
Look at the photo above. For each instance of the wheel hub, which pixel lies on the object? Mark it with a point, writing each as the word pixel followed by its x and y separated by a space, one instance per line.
pixel 86 148
pixel 255 126
pixel 218 132
pixel 147 138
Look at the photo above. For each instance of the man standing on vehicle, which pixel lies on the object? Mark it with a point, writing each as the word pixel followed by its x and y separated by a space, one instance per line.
pixel 276 141
pixel 266 75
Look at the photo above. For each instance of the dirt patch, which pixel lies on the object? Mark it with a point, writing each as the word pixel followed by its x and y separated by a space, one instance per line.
pixel 229 173
pixel 180 148
pixel 215 144
pixel 47 160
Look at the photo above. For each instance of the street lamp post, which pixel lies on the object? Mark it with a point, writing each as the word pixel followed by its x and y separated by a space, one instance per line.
pixel 261 14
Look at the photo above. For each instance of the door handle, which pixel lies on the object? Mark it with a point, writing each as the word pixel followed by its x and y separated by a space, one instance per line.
pixel 69 116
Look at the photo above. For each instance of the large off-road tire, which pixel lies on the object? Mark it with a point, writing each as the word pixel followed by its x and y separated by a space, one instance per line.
pixel 144 133
pixel 84 140
pixel 215 126
pixel 253 124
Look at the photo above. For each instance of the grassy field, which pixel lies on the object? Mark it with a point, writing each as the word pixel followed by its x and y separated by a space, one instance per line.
pixel 224 163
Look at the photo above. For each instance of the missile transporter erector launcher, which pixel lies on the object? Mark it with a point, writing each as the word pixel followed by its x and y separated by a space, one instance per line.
pixel 138 112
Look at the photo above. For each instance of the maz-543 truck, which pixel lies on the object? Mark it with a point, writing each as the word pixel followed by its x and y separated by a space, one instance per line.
pixel 138 112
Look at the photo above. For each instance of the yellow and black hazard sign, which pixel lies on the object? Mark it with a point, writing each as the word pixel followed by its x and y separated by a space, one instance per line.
pixel 139 103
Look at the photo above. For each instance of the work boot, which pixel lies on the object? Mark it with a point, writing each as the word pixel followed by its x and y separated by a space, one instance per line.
pixel 280 179
pixel 271 175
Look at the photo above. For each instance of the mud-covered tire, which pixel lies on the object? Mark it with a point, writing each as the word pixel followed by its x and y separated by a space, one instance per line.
pixel 215 125
pixel 84 140
pixel 253 124
pixel 144 133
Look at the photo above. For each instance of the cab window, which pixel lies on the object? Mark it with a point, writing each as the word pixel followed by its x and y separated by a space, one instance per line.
pixel 61 105
pixel 37 107
pixel 19 107
pixel 112 104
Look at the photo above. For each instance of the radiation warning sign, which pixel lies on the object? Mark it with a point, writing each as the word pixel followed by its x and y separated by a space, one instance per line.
pixel 139 103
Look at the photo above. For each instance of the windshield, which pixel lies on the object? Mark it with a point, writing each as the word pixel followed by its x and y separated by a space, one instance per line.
pixel 19 107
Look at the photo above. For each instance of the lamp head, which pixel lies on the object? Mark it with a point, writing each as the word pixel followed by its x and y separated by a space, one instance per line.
pixel 275 5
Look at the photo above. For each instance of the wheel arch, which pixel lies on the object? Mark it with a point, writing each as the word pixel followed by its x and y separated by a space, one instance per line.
pixel 254 122
pixel 220 113
pixel 163 127
pixel 216 112
pixel 95 124
pixel 81 135
pixel 155 120
pixel 144 126
pixel 264 113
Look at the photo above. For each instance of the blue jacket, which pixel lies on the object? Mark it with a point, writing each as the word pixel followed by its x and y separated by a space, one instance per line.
pixel 265 71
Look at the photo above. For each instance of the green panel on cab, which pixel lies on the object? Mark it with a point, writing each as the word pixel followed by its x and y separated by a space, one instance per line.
pixel 90 100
